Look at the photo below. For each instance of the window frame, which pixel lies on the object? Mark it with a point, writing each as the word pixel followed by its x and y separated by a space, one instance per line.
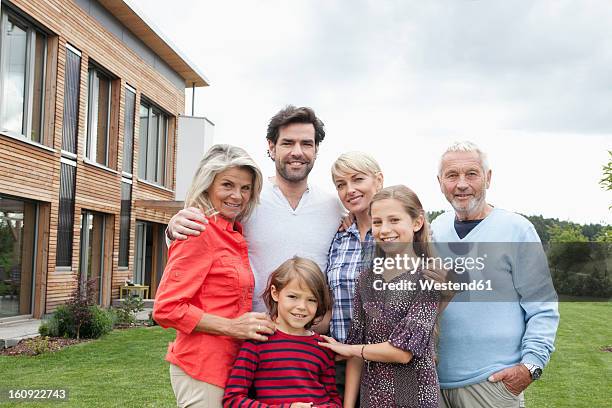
pixel 129 164
pixel 67 121
pixel 32 30
pixel 125 229
pixel 66 231
pixel 94 72
pixel 162 124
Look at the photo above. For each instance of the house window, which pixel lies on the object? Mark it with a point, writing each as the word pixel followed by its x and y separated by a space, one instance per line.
pixel 124 223
pixel 23 50
pixel 153 142
pixel 72 85
pixel 98 116
pixel 128 134
pixel 66 213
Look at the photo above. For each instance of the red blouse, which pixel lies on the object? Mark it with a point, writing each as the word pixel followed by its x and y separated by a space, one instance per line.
pixel 209 273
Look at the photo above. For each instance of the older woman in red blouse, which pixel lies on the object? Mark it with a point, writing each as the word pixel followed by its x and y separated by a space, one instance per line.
pixel 207 289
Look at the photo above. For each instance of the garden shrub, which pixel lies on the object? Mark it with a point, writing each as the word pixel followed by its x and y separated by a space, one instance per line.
pixel 100 323
pixel 80 317
pixel 49 328
pixel 43 329
pixel 38 345
pixel 126 312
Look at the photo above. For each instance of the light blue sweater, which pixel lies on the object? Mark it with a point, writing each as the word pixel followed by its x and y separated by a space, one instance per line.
pixel 479 338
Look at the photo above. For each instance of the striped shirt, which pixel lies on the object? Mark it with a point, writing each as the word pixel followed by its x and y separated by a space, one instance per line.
pixel 283 370
pixel 347 255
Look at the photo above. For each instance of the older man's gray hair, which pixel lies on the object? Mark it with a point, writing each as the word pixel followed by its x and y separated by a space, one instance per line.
pixel 465 146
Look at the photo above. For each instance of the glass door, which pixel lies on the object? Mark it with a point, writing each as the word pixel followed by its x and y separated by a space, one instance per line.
pixel 150 255
pixel 141 252
pixel 17 256
pixel 91 265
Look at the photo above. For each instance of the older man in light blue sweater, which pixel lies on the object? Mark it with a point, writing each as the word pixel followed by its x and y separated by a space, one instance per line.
pixel 490 350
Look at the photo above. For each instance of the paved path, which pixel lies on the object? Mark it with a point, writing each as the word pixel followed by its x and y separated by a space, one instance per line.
pixel 12 332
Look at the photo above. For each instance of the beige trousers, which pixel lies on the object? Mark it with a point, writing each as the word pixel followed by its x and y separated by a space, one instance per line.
pixel 192 393
pixel 482 395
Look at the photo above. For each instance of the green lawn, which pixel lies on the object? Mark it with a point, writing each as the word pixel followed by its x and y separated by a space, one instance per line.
pixel 126 368
pixel 123 369
pixel 579 373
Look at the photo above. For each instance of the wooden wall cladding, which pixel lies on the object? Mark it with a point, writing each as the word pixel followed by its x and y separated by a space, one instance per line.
pixel 27 171
pixel 32 172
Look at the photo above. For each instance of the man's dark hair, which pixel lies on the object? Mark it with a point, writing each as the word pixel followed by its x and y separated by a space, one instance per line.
pixel 290 114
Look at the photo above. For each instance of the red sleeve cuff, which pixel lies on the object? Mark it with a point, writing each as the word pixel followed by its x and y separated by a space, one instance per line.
pixel 190 320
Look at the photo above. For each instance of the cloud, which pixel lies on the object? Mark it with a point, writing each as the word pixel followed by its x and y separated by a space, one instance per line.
pixel 530 81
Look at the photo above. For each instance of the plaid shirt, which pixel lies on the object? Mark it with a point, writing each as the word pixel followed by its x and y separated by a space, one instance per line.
pixel 347 256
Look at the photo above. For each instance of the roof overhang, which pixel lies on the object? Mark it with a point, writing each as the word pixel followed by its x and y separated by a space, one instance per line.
pixel 146 31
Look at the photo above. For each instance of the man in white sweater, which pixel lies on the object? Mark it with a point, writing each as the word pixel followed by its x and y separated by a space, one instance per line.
pixel 293 217
pixel 491 348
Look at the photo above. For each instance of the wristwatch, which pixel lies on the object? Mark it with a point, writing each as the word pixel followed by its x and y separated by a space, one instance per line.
pixel 534 370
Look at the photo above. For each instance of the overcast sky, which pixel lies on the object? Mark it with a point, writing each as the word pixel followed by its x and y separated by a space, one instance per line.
pixel 529 81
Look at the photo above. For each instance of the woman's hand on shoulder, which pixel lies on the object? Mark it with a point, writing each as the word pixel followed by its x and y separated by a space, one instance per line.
pixel 253 326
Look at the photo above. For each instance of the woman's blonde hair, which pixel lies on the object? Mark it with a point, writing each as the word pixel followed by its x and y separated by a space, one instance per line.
pixel 309 274
pixel 413 207
pixel 217 159
pixel 354 162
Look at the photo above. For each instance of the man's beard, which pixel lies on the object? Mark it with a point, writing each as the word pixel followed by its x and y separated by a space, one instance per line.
pixel 472 205
pixel 293 176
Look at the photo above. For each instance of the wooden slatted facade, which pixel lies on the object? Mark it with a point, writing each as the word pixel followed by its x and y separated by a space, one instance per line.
pixel 32 171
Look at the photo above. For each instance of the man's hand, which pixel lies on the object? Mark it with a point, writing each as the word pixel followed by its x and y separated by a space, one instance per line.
pixel 188 221
pixel 301 405
pixel 516 378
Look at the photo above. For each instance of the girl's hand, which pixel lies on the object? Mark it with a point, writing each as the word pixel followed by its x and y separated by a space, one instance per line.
pixel 301 405
pixel 346 350
pixel 251 325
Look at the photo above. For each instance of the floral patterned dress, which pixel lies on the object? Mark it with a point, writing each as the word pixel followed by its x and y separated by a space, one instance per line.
pixel 405 318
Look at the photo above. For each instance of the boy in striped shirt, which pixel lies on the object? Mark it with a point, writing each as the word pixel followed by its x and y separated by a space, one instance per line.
pixel 290 369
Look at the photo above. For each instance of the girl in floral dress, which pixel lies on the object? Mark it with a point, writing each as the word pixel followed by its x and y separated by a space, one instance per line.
pixel 390 345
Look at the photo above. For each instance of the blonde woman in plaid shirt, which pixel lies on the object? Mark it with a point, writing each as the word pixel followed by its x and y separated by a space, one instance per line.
pixel 357 177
